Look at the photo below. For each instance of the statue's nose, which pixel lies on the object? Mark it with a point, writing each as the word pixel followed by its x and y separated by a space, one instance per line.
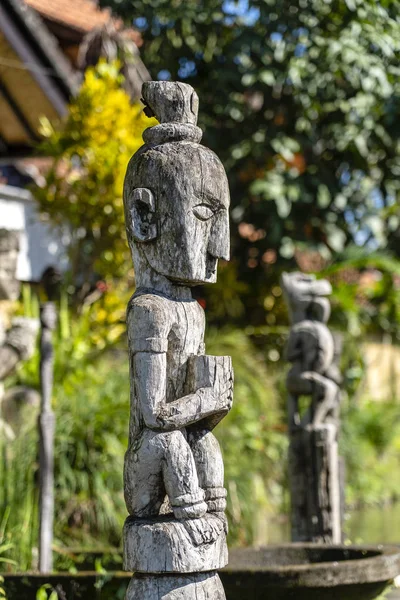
pixel 219 243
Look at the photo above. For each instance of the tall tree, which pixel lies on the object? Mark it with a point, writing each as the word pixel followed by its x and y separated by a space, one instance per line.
pixel 301 100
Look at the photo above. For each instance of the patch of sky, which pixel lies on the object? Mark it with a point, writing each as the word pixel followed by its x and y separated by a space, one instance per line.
pixel 300 50
pixel 164 75
pixel 140 23
pixel 377 198
pixel 361 236
pixel 345 176
pixel 368 215
pixel 276 37
pixel 187 68
pixel 300 31
pixel 349 216
pixel 160 24
pixel 240 8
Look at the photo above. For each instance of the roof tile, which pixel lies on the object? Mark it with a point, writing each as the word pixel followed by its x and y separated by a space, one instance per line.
pixel 82 15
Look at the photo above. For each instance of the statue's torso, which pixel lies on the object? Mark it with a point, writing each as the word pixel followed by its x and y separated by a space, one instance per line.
pixel 316 343
pixel 173 326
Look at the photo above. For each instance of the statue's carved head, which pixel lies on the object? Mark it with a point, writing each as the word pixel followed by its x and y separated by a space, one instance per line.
pixel 306 296
pixel 176 192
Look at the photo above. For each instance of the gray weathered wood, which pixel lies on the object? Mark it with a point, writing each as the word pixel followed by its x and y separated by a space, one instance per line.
pixel 16 345
pixel 176 200
pixel 201 586
pixel 9 249
pixel 46 423
pixel 313 449
pixel 168 545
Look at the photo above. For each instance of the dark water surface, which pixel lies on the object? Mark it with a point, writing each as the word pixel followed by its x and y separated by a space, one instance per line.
pixel 376 525
pixel 370 525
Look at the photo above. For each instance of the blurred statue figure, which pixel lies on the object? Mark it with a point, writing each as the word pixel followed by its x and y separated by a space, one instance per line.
pixel 311 350
pixel 314 464
pixel 16 345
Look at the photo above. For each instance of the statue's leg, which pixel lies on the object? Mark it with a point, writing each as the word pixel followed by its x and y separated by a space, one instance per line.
pixel 210 467
pixel 328 401
pixel 162 463
pixel 324 396
pixel 293 411
pixel 298 385
pixel 180 476
pixel 144 486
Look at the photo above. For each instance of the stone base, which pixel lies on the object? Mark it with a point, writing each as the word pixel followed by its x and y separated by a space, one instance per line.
pixel 206 586
pixel 165 545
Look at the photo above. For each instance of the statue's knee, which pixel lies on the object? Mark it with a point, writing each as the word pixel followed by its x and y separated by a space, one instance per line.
pixel 204 441
pixel 169 441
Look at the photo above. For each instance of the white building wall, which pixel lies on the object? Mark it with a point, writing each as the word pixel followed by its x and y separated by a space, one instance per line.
pixel 40 244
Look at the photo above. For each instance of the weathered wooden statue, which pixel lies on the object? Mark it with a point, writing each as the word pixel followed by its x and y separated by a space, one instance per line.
pixel 16 345
pixel 176 201
pixel 313 453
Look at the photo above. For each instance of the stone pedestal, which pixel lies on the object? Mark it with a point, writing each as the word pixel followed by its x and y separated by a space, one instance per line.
pixel 166 545
pixel 315 485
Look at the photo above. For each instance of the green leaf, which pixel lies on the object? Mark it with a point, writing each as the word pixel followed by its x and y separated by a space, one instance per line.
pixel 267 77
pixel 323 196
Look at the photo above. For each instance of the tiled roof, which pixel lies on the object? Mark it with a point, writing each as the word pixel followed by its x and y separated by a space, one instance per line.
pixel 82 15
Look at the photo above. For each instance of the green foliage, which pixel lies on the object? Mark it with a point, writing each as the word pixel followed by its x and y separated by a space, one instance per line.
pixel 46 592
pixel 300 99
pixel 371 308
pixel 83 189
pixel 18 500
pixel 251 439
pixel 370 444
pixel 91 403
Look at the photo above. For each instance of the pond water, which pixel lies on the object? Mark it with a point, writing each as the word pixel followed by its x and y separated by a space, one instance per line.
pixel 370 525
pixel 374 525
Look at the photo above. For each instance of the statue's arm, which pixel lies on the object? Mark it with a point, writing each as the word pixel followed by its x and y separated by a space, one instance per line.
pixel 293 348
pixel 150 387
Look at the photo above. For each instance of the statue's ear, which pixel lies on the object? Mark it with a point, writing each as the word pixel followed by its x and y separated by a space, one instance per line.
pixel 143 215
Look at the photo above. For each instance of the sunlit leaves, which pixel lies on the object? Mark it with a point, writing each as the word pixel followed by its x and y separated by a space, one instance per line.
pixel 320 74
pixel 83 189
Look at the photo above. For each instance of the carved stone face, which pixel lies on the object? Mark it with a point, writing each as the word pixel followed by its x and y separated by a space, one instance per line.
pixel 177 200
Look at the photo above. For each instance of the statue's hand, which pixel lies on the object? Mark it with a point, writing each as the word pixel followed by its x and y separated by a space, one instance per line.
pixel 225 397
pixel 223 385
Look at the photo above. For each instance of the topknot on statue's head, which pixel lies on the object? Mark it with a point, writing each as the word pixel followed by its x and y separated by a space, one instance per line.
pixel 171 101
pixel 175 105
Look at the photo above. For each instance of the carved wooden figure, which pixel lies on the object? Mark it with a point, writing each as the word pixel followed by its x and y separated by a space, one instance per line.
pixel 46 425
pixel 16 345
pixel 51 281
pixel 313 452
pixel 176 200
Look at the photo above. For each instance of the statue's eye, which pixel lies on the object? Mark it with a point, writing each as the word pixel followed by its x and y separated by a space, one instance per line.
pixel 203 212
